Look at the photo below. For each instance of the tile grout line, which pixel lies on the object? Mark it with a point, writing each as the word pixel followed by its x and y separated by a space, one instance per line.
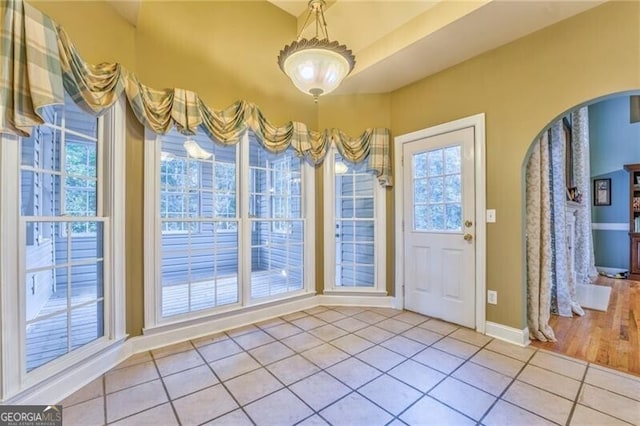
pixel 577 397
pixel 448 375
pixel 164 386
pixel 296 353
pixel 584 382
pixel 506 389
pixel 104 396
pixel 137 384
pixel 321 369
pixel 314 412
pixel 350 356
pixel 221 382
pixel 374 344
pixel 324 369
pixel 383 373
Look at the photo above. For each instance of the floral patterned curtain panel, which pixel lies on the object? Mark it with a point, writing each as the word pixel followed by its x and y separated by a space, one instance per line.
pixel 550 286
pixel 563 286
pixel 39 62
pixel 585 264
pixel 539 234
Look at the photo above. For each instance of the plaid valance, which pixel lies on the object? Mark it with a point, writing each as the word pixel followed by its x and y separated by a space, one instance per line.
pixel 39 62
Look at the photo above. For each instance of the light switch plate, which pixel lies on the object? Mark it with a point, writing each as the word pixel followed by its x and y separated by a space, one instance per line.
pixel 491 216
pixel 492 297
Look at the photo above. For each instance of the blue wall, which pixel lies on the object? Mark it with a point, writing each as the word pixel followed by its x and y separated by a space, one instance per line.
pixel 614 143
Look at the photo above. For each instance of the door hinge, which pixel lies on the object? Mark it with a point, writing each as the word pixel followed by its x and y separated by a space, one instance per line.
pixel 403 226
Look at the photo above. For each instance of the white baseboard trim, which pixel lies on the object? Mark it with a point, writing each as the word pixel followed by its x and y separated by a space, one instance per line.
pixel 381 301
pixel 507 334
pixel 610 226
pixel 610 270
pixel 397 303
pixel 167 337
pixel 58 387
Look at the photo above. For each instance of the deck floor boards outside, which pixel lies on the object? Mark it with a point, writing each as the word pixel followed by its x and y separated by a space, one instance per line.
pixel 47 340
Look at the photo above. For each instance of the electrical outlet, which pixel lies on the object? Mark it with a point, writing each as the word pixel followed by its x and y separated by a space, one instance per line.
pixel 492 297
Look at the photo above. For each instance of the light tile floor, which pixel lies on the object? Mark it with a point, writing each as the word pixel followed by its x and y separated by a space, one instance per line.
pixel 354 366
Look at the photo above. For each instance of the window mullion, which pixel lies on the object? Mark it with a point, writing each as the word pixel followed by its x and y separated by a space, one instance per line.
pixel 101 174
pixel 153 226
pixel 245 260
pixel 12 234
pixel 67 225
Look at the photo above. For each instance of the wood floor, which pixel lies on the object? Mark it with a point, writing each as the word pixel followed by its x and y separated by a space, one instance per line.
pixel 607 338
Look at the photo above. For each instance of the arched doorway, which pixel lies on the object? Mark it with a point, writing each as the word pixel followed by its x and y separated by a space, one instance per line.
pixel 607 334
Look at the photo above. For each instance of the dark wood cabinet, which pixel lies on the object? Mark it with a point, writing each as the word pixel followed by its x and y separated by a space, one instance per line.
pixel 634 219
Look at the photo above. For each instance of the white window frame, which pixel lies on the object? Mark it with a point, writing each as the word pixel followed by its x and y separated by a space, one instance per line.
pixel 379 218
pixel 216 165
pixel 111 174
pixel 153 320
pixel 84 189
pixel 185 212
pixel 277 174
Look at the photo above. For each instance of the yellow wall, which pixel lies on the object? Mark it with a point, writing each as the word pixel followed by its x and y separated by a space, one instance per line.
pixel 224 51
pixel 522 87
pixel 97 31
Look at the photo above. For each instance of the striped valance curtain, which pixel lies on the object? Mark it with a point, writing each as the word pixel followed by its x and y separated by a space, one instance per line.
pixel 39 62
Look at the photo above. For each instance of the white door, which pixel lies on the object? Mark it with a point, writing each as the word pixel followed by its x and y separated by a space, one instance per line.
pixel 439 223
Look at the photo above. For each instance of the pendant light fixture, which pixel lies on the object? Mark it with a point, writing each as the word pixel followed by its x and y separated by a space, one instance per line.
pixel 196 151
pixel 316 66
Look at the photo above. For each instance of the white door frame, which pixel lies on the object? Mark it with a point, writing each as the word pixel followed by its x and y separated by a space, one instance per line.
pixel 477 122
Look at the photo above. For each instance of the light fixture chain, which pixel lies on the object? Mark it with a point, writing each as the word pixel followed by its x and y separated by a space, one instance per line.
pixel 305 24
pixel 324 24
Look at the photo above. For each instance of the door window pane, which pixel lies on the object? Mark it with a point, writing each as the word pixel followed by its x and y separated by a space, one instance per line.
pixel 437 190
pixel 452 159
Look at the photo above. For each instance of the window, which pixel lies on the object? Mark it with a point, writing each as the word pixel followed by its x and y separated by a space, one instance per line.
pixel 277 226
pixel 225 212
pixel 69 188
pixel 180 181
pixel 437 190
pixel 199 242
pixel 80 182
pixel 355 214
pixel 284 191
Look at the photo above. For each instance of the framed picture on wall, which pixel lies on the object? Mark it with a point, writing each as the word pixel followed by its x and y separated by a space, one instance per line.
pixel 602 192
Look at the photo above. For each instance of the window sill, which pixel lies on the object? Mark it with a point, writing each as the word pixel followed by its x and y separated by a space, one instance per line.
pixel 173 325
pixel 359 291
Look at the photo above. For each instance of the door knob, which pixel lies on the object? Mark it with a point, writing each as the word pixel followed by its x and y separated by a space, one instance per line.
pixel 468 237
pixel 468 223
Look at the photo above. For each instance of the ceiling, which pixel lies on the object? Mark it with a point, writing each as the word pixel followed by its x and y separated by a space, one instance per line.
pixel 397 42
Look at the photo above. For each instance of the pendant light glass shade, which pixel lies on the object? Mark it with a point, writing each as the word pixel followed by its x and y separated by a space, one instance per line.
pixel 316 66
